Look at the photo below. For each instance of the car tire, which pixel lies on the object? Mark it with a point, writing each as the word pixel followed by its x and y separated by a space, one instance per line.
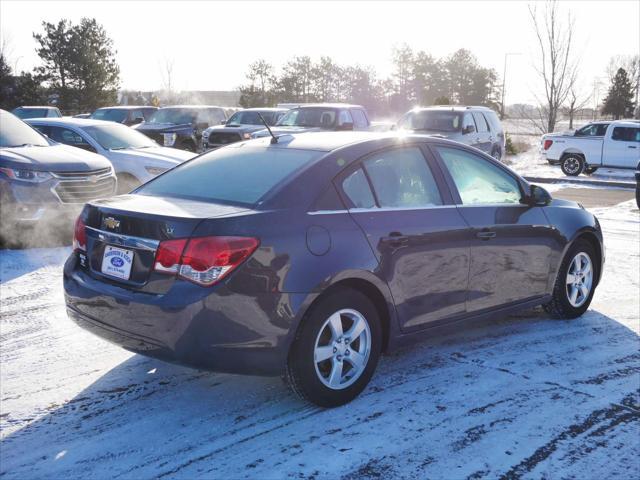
pixel 590 170
pixel 322 366
pixel 572 164
pixel 569 298
pixel 127 183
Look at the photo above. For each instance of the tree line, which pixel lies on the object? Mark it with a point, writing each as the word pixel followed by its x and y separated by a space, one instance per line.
pixel 417 78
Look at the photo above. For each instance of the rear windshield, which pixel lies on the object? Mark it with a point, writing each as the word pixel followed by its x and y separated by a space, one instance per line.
pixel 431 120
pixel 110 114
pixel 235 175
pixel 25 113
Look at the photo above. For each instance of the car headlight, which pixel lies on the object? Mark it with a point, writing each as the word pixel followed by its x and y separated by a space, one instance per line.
pixel 246 136
pixel 169 139
pixel 155 170
pixel 26 175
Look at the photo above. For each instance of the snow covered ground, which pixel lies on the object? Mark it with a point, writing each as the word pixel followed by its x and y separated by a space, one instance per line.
pixel 524 396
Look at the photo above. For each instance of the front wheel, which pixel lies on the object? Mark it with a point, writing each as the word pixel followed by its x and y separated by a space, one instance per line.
pixel 575 283
pixel 572 165
pixel 336 349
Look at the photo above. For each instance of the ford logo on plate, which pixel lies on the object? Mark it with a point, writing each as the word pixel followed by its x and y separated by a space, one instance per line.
pixel 117 262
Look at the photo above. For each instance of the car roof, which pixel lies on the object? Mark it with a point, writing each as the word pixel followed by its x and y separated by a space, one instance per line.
pixel 70 121
pixel 329 105
pixel 329 141
pixel 265 109
pixel 451 108
pixel 626 122
pixel 125 107
pixel 34 107
pixel 194 107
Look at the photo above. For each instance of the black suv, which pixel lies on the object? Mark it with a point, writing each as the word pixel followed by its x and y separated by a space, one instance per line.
pixel 181 126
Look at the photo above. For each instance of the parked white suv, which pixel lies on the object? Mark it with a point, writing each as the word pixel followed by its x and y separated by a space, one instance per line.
pixel 613 144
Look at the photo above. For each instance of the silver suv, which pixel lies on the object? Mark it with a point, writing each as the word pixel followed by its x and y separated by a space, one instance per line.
pixel 475 126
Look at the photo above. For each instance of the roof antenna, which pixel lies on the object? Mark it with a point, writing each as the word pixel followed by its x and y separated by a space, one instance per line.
pixel 274 139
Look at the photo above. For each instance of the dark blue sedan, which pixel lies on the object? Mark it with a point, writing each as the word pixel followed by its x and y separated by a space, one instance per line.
pixel 310 255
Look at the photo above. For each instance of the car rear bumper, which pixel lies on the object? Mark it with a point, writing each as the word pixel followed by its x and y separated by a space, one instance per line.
pixel 209 328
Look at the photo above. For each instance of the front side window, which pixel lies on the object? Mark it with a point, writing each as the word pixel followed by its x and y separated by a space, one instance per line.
pixel 345 117
pixel 478 181
pixel 359 118
pixel 175 116
pixel 626 134
pixel 402 179
pixel 481 123
pixel 357 189
pixel 251 117
pixel 26 113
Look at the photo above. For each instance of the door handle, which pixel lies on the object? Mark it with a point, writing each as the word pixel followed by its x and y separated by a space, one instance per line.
pixel 485 235
pixel 631 146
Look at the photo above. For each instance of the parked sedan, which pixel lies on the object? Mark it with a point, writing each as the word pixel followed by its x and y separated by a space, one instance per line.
pixel 40 179
pixel 135 157
pixel 311 255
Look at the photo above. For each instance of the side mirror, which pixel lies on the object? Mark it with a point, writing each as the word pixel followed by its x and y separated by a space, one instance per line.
pixel 538 196
pixel 223 122
pixel 137 120
pixel 345 126
pixel 468 129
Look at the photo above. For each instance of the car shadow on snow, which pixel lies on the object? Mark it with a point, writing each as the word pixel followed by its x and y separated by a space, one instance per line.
pixel 501 397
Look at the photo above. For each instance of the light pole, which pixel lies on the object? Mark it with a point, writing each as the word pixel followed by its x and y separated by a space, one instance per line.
pixel 504 79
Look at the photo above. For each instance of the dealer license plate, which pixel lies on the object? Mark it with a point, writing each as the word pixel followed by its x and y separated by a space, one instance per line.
pixel 117 262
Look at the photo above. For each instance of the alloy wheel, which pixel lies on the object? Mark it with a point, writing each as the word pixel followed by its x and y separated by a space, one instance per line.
pixel 342 349
pixel 572 165
pixel 579 279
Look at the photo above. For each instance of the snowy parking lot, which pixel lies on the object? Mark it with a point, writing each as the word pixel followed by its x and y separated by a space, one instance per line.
pixel 524 396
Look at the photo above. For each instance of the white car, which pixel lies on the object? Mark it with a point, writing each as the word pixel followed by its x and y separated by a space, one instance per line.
pixel 612 144
pixel 136 158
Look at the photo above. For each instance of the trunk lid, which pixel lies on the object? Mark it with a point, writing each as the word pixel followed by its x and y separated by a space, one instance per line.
pixel 136 224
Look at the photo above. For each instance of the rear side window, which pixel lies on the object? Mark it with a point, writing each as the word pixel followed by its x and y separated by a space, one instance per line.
pixel 356 187
pixel 626 134
pixel 481 123
pixel 477 180
pixel 401 178
pixel 359 119
pixel 231 175
pixel 593 130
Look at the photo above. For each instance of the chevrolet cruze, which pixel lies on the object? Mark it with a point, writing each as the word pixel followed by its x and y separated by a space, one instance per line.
pixel 311 255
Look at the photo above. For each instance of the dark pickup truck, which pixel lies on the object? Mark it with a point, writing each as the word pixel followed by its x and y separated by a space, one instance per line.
pixel 181 126
pixel 240 126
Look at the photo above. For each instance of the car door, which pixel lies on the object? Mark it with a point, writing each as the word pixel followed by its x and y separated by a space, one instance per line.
pixel 510 252
pixel 483 135
pixel 420 239
pixel 622 149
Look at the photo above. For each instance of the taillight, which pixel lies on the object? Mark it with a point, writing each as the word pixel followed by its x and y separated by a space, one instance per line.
pixel 203 260
pixel 79 236
pixel 547 144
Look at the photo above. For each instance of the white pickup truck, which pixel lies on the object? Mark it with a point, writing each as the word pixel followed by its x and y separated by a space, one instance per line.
pixel 613 144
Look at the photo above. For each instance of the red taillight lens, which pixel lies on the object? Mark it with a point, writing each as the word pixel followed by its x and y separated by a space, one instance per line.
pixel 203 260
pixel 547 144
pixel 79 236
pixel 168 255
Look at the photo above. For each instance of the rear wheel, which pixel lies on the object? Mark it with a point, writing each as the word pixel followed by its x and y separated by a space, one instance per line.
pixel 575 283
pixel 336 349
pixel 572 164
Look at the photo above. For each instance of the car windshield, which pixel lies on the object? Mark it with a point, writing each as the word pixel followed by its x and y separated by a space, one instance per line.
pixel 175 116
pixel 251 118
pixel 15 133
pixel 30 113
pixel 110 114
pixel 118 137
pixel 431 120
pixel 309 117
pixel 230 175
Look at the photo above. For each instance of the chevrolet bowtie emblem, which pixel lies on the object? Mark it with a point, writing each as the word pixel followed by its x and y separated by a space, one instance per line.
pixel 111 223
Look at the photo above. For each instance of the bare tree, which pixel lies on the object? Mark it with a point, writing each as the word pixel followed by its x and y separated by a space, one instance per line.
pixel 166 74
pixel 575 102
pixel 557 68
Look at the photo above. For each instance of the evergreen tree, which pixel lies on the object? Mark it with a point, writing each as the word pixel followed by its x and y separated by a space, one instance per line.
pixel 619 100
